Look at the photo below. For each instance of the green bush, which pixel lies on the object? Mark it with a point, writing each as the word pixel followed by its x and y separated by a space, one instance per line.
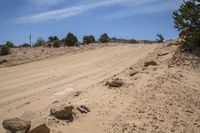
pixel 56 44
pixel 88 39
pixel 53 38
pixel 187 21
pixel 133 41
pixel 25 45
pixel 71 39
pixel 40 42
pixel 9 44
pixel 104 38
pixel 5 50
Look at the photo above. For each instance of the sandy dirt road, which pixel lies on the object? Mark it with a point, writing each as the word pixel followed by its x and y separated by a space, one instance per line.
pixel 34 86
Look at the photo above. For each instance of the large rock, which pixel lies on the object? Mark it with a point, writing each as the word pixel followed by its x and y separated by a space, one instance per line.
pixel 16 125
pixel 62 112
pixel 115 83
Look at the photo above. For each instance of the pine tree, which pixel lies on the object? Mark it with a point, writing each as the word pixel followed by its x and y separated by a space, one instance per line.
pixel 187 21
pixel 71 39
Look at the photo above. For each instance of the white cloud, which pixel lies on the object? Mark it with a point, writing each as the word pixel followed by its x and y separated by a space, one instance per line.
pixel 66 12
pixel 145 8
pixel 128 8
pixel 45 2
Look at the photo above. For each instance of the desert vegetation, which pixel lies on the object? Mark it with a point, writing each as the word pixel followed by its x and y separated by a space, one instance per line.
pixel 5 50
pixel 88 39
pixel 104 38
pixel 71 39
pixel 160 38
pixel 112 85
pixel 187 21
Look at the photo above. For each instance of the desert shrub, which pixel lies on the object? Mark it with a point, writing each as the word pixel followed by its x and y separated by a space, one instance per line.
pixel 9 44
pixel 187 21
pixel 25 45
pixel 53 38
pixel 56 44
pixel 104 38
pixel 133 41
pixel 40 42
pixel 71 39
pixel 5 50
pixel 160 38
pixel 88 39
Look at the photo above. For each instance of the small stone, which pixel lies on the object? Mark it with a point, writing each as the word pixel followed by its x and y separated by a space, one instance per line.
pixel 133 73
pixel 163 54
pixel 83 109
pixel 150 63
pixel 115 83
pixel 16 125
pixel 77 94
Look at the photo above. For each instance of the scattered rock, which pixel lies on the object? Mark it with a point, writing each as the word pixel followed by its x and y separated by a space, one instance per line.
pixel 163 54
pixel 115 83
pixel 16 125
pixel 62 112
pixel 77 94
pixel 40 129
pixel 133 73
pixel 55 102
pixel 150 63
pixel 83 109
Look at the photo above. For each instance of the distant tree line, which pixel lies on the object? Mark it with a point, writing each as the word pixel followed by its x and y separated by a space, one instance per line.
pixel 71 40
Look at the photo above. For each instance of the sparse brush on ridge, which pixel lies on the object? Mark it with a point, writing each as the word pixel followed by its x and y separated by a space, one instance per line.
pixel 25 45
pixel 88 39
pixel 187 21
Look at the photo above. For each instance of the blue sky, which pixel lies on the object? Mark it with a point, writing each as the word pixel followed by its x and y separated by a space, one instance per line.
pixel 139 19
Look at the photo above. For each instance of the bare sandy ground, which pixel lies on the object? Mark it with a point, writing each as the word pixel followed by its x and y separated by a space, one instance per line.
pixel 161 98
pixel 33 87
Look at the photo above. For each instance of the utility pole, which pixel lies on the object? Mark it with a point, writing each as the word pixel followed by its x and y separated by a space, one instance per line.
pixel 30 40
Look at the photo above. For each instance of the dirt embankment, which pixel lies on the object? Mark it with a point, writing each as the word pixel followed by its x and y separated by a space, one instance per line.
pixel 157 95
pixel 24 55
